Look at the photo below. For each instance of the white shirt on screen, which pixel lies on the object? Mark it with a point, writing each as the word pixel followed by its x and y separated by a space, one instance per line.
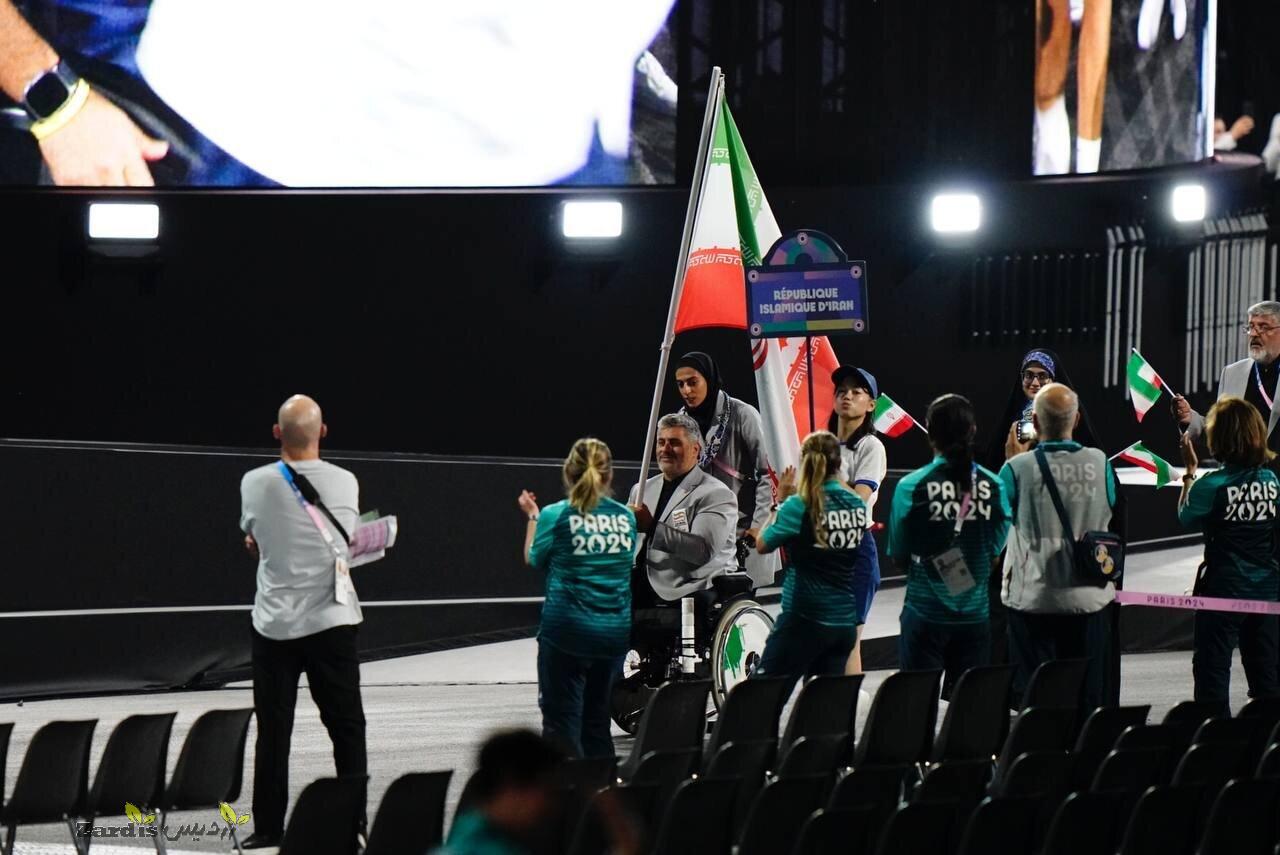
pixel 415 93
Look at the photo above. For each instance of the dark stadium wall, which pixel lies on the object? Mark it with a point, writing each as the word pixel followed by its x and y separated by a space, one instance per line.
pixel 463 324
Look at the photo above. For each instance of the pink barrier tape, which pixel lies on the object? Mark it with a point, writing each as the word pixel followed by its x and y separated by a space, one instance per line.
pixel 1212 604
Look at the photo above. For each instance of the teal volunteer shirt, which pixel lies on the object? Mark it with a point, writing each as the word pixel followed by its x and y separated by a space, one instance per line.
pixel 922 524
pixel 817 579
pixel 1235 507
pixel 587 559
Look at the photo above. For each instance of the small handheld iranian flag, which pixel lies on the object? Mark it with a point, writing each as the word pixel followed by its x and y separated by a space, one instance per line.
pixel 890 419
pixel 1139 455
pixel 1145 385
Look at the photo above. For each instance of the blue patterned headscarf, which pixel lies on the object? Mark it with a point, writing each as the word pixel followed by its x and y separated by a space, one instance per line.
pixel 1044 359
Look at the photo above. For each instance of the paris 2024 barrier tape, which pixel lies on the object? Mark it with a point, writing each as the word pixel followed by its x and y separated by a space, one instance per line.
pixel 1190 601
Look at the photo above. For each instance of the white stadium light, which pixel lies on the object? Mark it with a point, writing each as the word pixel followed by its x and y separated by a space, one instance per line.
pixel 124 221
pixel 591 219
pixel 956 212
pixel 1188 203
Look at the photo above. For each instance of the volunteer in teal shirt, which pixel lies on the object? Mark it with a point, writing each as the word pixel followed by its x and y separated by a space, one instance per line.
pixel 586 544
pixel 821 525
pixel 1236 508
pixel 945 618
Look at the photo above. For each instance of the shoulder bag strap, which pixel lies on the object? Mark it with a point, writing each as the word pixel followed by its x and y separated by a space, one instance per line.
pixel 312 495
pixel 1052 487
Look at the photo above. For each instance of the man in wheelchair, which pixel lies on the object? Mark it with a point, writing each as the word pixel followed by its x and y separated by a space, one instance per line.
pixel 687 522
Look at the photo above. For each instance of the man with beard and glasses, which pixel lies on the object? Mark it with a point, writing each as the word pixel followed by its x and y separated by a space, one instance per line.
pixel 1253 378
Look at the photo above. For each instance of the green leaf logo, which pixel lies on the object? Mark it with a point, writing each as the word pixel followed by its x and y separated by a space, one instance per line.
pixel 228 812
pixel 148 819
pixel 244 817
pixel 132 812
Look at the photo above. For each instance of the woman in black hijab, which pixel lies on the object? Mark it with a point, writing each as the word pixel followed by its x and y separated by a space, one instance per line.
pixel 1039 367
pixel 733 449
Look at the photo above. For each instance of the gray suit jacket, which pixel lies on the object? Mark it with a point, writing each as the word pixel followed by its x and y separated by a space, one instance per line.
pixel 682 560
pixel 1235 378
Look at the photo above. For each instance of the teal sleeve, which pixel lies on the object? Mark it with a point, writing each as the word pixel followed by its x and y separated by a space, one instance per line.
pixel 1199 503
pixel 544 536
pixel 899 511
pixel 1111 485
pixel 1003 520
pixel 1009 485
pixel 786 525
pixel 635 539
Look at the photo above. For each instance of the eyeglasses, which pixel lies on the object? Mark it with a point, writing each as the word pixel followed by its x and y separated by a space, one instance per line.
pixel 1257 329
pixel 1036 377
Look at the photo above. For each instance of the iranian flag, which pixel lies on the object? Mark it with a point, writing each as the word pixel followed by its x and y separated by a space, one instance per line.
pixel 890 419
pixel 1139 455
pixel 1145 385
pixel 734 226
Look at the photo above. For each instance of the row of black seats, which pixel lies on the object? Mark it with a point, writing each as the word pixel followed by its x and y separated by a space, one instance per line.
pixel 52 787
pixel 52 784
pixel 1048 756
pixel 819 735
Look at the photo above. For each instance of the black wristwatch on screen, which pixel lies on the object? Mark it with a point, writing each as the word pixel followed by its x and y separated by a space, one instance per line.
pixel 46 93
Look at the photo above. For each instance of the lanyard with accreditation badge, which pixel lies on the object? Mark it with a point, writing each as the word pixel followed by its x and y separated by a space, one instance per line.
pixel 343 588
pixel 1257 376
pixel 950 564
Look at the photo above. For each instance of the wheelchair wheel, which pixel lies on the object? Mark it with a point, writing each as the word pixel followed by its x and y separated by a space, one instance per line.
pixel 739 639
pixel 631 693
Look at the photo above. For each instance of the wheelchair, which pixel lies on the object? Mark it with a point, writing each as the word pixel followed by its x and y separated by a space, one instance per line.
pixel 730 632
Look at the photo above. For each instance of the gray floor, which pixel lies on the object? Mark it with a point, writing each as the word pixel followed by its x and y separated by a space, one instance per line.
pixel 431 711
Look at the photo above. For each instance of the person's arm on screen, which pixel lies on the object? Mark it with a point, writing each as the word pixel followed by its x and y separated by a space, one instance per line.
pixel 100 146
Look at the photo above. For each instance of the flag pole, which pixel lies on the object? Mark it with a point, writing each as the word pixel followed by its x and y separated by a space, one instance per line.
pixel 715 94
pixel 808 362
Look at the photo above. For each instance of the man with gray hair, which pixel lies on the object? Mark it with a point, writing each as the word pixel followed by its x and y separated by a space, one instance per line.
pixel 1053 614
pixel 688 537
pixel 297 513
pixel 1254 378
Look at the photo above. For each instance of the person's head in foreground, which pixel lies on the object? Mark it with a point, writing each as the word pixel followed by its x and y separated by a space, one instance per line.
pixel 679 443
pixel 1057 411
pixel 1236 434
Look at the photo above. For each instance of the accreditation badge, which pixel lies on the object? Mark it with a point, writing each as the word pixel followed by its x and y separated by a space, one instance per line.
pixel 680 519
pixel 344 590
pixel 954 571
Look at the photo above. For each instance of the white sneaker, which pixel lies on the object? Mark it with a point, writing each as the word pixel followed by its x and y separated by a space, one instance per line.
pixel 1149 21
pixel 1178 8
pixel 657 82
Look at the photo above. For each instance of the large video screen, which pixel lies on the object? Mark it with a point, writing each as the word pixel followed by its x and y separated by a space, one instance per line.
pixel 1122 84
pixel 379 93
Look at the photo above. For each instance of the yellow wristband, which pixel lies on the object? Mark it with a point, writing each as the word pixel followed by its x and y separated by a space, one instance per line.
pixel 58 120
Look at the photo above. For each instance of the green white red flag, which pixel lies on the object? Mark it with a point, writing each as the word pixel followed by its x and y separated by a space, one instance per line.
pixel 735 225
pixel 1145 385
pixel 890 419
pixel 1139 455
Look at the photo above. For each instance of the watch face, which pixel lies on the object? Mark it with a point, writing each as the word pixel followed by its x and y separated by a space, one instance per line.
pixel 46 95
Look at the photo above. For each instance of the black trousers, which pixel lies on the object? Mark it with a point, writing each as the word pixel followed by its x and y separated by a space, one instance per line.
pixel 1035 638
pixel 1216 635
pixel 329 660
